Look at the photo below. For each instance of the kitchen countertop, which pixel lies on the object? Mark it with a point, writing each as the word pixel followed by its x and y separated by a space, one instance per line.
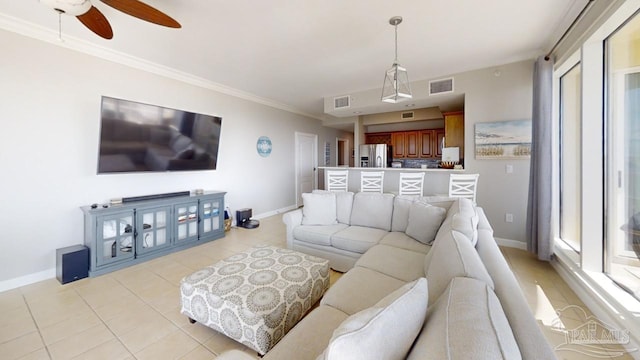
pixel 388 169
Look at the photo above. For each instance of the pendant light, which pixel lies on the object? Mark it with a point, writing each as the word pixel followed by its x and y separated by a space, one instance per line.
pixel 396 81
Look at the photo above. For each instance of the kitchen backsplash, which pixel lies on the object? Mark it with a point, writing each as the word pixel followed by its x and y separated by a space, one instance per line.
pixel 417 163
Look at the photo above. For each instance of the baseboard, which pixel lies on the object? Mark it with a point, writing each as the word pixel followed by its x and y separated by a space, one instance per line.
pixel 511 243
pixel 51 273
pixel 275 212
pixel 27 279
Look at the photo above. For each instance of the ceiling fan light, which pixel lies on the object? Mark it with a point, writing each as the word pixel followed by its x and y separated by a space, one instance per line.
pixel 69 7
pixel 396 86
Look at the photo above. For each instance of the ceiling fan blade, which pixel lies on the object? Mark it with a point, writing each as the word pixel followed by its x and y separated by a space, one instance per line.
pixel 96 22
pixel 143 11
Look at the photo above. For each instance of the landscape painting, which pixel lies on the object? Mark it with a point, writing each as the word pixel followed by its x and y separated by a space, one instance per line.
pixel 503 139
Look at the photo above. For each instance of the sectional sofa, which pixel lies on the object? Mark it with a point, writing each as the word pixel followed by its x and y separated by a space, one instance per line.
pixel 424 280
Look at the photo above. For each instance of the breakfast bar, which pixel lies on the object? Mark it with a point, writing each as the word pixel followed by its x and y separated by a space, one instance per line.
pixel 436 181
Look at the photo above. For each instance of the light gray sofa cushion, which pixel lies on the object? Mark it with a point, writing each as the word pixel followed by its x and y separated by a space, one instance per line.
pixel 344 202
pixel 466 322
pixel 424 221
pixel 315 234
pixel 452 256
pixel 404 241
pixel 359 289
pixel 405 265
pixel 372 210
pixel 319 209
pixel 384 331
pixel 357 238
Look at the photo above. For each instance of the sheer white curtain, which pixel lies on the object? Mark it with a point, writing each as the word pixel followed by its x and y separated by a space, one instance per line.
pixel 539 239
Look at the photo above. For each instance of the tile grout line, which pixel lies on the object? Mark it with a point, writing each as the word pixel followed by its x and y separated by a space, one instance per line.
pixel 46 347
pixel 103 323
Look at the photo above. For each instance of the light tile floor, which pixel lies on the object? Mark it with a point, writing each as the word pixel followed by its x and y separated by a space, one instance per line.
pixel 134 313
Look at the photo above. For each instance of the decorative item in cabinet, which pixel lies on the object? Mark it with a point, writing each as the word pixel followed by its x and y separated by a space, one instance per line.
pixel 187 219
pixel 114 239
pixel 211 221
pixel 152 230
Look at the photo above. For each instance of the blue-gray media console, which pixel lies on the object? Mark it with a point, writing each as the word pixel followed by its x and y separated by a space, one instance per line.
pixel 128 233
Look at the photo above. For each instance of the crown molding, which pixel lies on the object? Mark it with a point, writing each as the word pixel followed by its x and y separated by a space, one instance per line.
pixel 42 33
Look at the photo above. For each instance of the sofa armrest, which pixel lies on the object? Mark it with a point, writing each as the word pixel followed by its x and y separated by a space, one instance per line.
pixel 291 220
pixel 483 222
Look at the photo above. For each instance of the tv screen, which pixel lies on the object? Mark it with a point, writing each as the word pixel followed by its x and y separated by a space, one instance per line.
pixel 136 137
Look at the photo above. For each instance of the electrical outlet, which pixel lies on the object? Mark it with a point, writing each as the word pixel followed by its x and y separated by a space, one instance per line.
pixel 508 217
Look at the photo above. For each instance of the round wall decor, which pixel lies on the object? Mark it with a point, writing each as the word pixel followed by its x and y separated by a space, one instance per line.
pixel 264 146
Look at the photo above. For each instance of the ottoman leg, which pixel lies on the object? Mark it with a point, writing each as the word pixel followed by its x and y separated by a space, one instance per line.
pixel 191 321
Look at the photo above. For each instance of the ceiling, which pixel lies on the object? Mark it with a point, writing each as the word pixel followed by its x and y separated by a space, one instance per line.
pixel 292 54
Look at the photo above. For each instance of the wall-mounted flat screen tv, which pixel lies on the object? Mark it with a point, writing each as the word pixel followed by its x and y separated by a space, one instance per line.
pixel 136 137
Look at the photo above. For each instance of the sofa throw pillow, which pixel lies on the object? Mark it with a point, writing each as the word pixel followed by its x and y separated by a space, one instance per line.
pixel 424 221
pixel 319 209
pixel 344 202
pixel 400 218
pixel 384 331
pixel 372 210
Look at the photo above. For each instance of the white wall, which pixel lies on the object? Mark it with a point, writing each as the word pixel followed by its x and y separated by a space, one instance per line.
pixel 50 120
pixel 496 98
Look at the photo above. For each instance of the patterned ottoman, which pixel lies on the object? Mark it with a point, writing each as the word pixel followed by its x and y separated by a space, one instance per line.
pixel 257 296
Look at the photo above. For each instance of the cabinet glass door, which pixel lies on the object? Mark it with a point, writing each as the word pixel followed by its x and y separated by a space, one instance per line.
pixel 153 231
pixel 187 222
pixel 211 217
pixel 115 238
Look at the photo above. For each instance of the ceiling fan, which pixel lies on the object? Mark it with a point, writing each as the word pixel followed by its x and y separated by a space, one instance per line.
pixel 93 19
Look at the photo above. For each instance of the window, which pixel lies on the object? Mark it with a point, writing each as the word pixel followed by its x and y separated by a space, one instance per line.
pixel 570 157
pixel 622 234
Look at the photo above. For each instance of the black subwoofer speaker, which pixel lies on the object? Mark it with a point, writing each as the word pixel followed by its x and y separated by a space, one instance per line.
pixel 72 263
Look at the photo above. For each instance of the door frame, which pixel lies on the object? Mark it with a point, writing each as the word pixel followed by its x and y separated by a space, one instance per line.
pixel 345 151
pixel 314 165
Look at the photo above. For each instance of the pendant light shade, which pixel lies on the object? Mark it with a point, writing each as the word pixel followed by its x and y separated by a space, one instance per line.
pixel 396 86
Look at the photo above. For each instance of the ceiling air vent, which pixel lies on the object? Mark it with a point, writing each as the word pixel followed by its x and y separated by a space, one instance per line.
pixel 408 115
pixel 341 102
pixel 442 86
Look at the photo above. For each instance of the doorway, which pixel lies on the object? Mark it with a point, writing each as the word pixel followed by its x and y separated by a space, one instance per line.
pixel 342 153
pixel 306 164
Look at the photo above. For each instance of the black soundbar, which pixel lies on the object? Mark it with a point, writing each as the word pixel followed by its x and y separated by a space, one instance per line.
pixel 155 196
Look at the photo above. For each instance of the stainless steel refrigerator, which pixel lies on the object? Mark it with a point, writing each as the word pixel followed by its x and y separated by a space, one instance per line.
pixel 375 155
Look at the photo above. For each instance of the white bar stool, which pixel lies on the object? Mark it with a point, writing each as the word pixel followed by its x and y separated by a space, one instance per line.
pixel 337 180
pixel 371 181
pixel 463 186
pixel 411 183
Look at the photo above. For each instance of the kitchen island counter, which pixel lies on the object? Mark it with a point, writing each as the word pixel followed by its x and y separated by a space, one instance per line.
pixel 436 181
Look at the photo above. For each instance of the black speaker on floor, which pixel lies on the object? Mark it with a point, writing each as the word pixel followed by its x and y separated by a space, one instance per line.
pixel 72 263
